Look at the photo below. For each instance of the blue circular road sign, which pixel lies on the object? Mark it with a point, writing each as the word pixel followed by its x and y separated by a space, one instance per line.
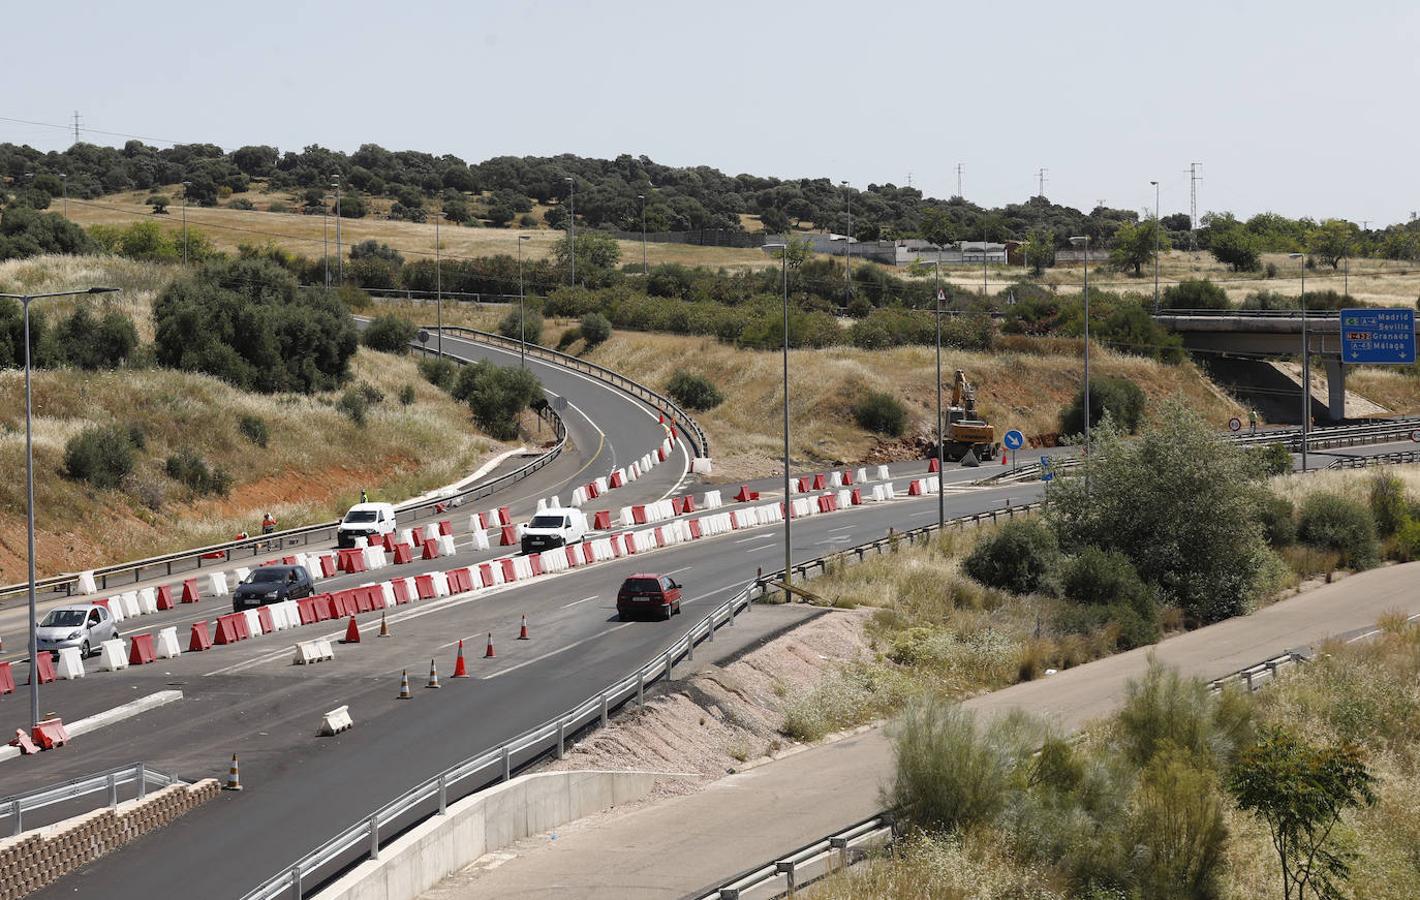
pixel 1014 440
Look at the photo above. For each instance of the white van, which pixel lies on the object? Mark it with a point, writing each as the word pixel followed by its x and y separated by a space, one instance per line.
pixel 554 528
pixel 363 520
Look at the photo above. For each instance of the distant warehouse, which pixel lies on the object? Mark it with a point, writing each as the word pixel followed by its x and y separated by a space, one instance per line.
pixel 911 250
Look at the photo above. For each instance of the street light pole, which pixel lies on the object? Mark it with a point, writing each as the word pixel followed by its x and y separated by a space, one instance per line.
pixel 185 186
pixel 645 268
pixel 64 186
pixel 339 256
pixel 941 444
pixel 438 284
pixel 847 245
pixel 1085 240
pixel 788 497
pixel 25 300
pixel 1306 362
pixel 572 227
pixel 522 313
pixel 325 239
pixel 1156 246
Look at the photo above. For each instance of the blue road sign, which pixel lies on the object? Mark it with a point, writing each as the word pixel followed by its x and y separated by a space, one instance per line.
pixel 1014 440
pixel 1378 336
pixel 1046 472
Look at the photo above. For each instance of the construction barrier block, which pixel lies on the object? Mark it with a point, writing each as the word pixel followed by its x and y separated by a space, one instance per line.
pixel 424 584
pixel 189 591
pixel 935 465
pixel 165 598
pixel 327 566
pixel 71 664
pixel 168 643
pixel 289 561
pixel 510 571
pixel 113 656
pixel 535 562
pixel 847 479
pixel 7 678
pixel 401 591
pixel 263 617
pixel 695 528
pixel 630 544
pixel 446 527
pixel 601 521
pixel 352 560
pixel 508 536
pixel 131 609
pixel 22 740
pixel 857 497
pixel 336 721
pixel 140 650
pixel 147 601
pixel 431 550
pixel 638 515
pixel 43 667
pixel 745 494
pixel 200 639
pixel 403 553
pixel 504 516
pixel 230 628
pixel 50 733
pixel 307 653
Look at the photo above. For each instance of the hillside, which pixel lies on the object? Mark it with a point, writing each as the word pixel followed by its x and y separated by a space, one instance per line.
pixel 401 451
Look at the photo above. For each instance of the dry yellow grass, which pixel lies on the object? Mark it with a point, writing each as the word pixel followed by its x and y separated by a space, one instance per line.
pixel 1352 483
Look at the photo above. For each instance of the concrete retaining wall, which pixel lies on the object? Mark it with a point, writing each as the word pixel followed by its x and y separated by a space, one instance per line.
pixel 487 821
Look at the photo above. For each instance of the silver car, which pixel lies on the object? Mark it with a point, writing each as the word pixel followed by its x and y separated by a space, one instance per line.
pixel 81 626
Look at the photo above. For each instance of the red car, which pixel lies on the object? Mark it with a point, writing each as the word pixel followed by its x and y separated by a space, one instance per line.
pixel 646 593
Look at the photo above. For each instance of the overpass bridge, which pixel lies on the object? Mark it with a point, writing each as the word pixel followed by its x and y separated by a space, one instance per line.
pixel 1251 334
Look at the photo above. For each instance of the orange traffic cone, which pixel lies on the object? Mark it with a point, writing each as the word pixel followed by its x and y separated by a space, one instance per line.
pixel 404 693
pixel 460 671
pixel 352 633
pixel 489 654
pixel 433 676
pixel 1003 458
pixel 384 626
pixel 234 779
pixel 523 631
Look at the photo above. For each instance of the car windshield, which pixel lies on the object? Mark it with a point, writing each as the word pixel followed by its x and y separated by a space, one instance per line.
pixel 356 516
pixel 261 575
pixel 642 585
pixel 548 521
pixel 63 618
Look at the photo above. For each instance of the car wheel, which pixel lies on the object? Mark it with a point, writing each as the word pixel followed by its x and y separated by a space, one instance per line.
pixel 84 650
pixel 666 612
pixel 677 607
pixel 623 617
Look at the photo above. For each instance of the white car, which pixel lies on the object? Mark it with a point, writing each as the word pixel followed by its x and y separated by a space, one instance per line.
pixel 364 520
pixel 81 626
pixel 554 528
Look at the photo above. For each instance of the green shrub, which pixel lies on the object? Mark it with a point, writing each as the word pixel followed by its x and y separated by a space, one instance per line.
pixel 254 429
pixel 1177 824
pixel 1389 505
pixel 190 469
pixel 406 395
pixel 1166 710
pixel 497 395
pixel 354 299
pixel 1121 398
pixel 439 371
pixel 355 402
pixel 881 413
pixel 1407 541
pixel 512 325
pixel 569 337
pixel 1022 557
pixel 1272 459
pixel 1099 576
pixel 1336 523
pixel 595 328
pixel 1279 519
pixel 1195 293
pixel 389 334
pixel 91 343
pixel 693 391
pixel 100 455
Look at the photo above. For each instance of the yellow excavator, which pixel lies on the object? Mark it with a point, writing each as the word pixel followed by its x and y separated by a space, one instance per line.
pixel 966 431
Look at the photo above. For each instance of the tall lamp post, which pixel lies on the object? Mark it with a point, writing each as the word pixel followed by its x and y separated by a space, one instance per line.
pixel 941 444
pixel 185 186
pixel 788 497
pixel 1085 242
pixel 339 257
pixel 847 246
pixel 64 186
pixel 522 313
pixel 645 268
pixel 572 227
pixel 438 284
pixel 325 239
pixel 25 300
pixel 1156 246
pixel 1306 361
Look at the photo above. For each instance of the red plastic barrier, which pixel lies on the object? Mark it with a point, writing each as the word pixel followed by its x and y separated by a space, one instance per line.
pixel 431 549
pixel 263 618
pixel 504 517
pixel 7 679
pixel 638 515
pixel 804 484
pixel 616 546
pixel 306 609
pixel 630 545
pixel 587 554
pixel 573 558
pixel 509 536
pixel 43 667
pixel 847 477
pixel 424 584
pixel 401 591
pixel 819 482
pixel 914 489
pixel 746 495
pixel 446 527
pixel 365 599
pixel 321 606
pixel 857 497
pixel 660 537
pixel 660 454
pixel 200 639
pixel 825 504
pixel 228 631
pixel 140 650
pixel 616 480
pixel 189 591
pixel 510 574
pixel 289 561
pixel 460 580
pixel 403 553
pixel 535 563
pixel 695 527
pixel 601 521
pixel 378 540
pixel 22 740
pixel 593 491
pixel 327 566
pixel 352 560
pixel 677 505
pixel 485 574
pixel 689 505
pixel 165 597
pixel 934 465
pixel 49 734
pixel 483 521
pixel 103 601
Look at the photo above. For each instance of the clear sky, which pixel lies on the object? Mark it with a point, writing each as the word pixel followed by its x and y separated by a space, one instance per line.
pixel 1302 108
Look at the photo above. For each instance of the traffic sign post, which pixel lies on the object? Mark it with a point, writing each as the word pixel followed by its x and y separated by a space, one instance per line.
pixel 1014 441
pixel 1235 424
pixel 1378 336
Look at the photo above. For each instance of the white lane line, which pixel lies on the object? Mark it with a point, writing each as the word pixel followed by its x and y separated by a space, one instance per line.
pixel 757 537
pixel 1361 637
pixel 575 602
pixel 681 569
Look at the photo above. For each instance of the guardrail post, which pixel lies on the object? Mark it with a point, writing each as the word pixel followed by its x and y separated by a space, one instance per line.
pixel 785 867
pixel 668 665
pixel 604 710
pixel 374 837
pixel 689 648
pixel 507 763
pixel 112 791
pixel 142 776
pixel 731 619
pixel 296 882
pixel 710 636
pixel 19 821
pixel 841 845
pixel 443 793
pixel 640 693
pixel 561 738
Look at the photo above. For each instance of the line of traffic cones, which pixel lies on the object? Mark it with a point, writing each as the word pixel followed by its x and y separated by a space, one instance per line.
pixel 460 666
pixel 460 670
pixel 352 633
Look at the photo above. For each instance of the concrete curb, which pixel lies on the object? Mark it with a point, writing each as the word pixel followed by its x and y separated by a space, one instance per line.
pixel 108 717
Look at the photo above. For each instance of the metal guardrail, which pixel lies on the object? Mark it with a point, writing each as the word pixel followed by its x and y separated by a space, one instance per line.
pixel 1250 313
pixel 1383 459
pixel 15 807
pixel 1333 436
pixel 1255 676
pixel 432 296
pixel 688 425
pixel 293 537
pixel 809 863
pixel 432 797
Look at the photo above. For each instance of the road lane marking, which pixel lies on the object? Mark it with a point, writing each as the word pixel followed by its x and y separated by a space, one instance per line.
pixel 758 537
pixel 575 602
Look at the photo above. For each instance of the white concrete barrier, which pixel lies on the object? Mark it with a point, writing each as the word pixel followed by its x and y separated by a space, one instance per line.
pixel 480 540
pixel 431 532
pixel 441 583
pixel 147 601
pixel 87 585
pixel 888 491
pixel 336 721
pixel 411 590
pixel 253 621
pixel 860 476
pixel 216 585
pixel 71 664
pixel 406 536
pixel 115 608
pixel 482 823
pixel 374 558
pixel 113 655
pixel 306 653
pixel 711 500
pixel 835 479
pixel 877 496
pixel 601 484
pixel 387 592
pixel 361 542
pixel 701 466
pixel 845 498
pixel 883 473
pixel 446 545
pixel 131 609
pixel 167 643
pixel 327 651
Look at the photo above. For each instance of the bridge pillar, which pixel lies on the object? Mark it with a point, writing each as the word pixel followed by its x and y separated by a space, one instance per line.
pixel 1336 389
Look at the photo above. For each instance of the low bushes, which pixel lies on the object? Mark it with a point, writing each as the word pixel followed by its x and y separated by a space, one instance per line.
pixel 100 455
pixel 881 413
pixel 389 334
pixel 521 325
pixel 497 395
pixel 190 469
pixel 439 371
pixel 1333 522
pixel 1019 558
pixel 1121 398
pixel 694 392
pixel 254 429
